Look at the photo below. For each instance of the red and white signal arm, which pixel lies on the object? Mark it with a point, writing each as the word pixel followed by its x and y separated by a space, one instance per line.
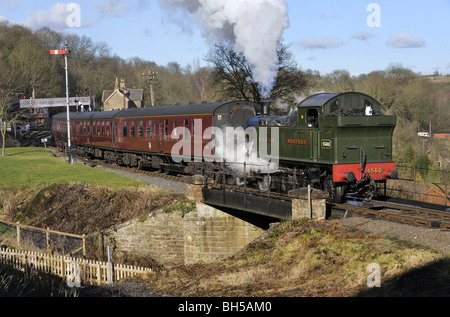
pixel 58 52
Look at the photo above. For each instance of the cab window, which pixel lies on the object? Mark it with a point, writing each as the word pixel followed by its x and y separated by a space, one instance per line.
pixel 312 118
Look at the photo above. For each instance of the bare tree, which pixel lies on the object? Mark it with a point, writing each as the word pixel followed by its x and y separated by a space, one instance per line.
pixel 201 79
pixel 234 76
pixel 337 81
pixel 8 115
pixel 231 73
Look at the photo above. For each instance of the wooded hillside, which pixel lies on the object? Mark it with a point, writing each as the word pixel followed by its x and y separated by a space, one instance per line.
pixel 419 102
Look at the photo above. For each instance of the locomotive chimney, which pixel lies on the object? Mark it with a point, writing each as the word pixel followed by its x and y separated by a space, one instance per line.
pixel 266 107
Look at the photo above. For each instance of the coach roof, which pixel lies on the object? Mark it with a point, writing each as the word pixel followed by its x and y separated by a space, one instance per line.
pixel 159 111
pixel 173 110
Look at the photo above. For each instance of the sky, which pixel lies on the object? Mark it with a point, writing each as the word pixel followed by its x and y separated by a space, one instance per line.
pixel 360 36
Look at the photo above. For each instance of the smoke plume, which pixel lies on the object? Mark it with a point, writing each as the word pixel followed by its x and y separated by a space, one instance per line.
pixel 255 27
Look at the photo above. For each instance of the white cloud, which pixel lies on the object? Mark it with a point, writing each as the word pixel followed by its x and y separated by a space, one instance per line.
pixel 112 7
pixel 321 43
pixel 362 36
pixel 11 4
pixel 61 17
pixel 55 18
pixel 405 40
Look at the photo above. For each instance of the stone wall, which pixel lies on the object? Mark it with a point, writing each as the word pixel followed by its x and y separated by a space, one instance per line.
pixel 311 206
pixel 160 236
pixel 205 234
pixel 211 234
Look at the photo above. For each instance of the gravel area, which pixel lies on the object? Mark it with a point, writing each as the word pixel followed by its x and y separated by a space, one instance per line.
pixel 433 238
pixel 177 187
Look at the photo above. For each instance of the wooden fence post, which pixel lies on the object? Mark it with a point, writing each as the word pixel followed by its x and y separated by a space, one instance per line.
pixel 63 267
pixel 18 234
pixel 84 245
pixel 99 274
pixel 47 237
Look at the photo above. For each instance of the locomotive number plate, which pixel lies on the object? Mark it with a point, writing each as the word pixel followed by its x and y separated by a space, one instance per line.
pixel 326 144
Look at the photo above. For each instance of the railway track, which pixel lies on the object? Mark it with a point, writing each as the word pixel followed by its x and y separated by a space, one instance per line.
pixel 406 212
pixel 158 174
pixel 403 213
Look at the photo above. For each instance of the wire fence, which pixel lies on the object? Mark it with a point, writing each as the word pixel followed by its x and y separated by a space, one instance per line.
pixel 422 184
pixel 51 241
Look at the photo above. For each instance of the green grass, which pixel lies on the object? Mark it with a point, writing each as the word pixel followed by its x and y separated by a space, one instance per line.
pixel 37 166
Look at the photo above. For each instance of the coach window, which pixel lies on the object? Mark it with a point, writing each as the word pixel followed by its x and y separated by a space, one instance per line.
pixel 166 129
pixel 107 128
pixel 132 129
pixel 149 129
pixel 186 129
pixel 103 128
pixel 174 128
pixel 140 129
pixel 124 129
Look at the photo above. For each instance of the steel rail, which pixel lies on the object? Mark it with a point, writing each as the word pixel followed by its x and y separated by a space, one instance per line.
pixel 404 213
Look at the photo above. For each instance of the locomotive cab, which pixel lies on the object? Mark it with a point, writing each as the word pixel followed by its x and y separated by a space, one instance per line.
pixel 351 139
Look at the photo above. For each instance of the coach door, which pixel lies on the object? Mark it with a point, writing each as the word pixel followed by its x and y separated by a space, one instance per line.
pixel 159 135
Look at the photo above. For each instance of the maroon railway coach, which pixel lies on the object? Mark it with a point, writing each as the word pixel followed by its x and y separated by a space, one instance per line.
pixel 142 136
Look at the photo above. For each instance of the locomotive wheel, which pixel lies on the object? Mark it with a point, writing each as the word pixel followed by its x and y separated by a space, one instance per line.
pixel 371 191
pixel 264 184
pixel 336 191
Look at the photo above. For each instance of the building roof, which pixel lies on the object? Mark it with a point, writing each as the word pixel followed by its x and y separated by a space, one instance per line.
pixel 132 94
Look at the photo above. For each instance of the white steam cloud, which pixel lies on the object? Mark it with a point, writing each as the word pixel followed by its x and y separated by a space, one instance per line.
pixel 255 27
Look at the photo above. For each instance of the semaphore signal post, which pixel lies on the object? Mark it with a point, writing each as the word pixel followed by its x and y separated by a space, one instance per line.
pixel 66 52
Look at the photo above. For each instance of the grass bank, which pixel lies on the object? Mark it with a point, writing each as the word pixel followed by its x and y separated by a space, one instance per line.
pixel 305 258
pixel 22 167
